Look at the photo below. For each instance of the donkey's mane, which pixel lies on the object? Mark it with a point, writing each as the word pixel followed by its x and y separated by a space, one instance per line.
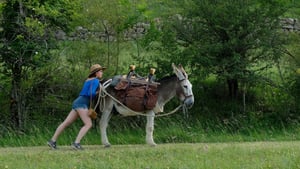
pixel 166 78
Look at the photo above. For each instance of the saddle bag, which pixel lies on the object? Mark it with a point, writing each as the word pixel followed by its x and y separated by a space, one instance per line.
pixel 92 113
pixel 136 95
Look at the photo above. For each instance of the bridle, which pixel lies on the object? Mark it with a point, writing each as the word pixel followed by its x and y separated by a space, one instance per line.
pixel 186 94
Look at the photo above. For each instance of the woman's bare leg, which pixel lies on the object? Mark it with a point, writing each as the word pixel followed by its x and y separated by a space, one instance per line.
pixel 69 120
pixel 83 113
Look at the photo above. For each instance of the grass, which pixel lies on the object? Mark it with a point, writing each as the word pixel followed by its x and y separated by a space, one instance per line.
pixel 230 155
pixel 166 131
pixel 180 146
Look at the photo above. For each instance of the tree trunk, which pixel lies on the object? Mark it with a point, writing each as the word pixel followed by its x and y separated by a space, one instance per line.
pixel 17 107
pixel 108 42
pixel 233 88
pixel 244 97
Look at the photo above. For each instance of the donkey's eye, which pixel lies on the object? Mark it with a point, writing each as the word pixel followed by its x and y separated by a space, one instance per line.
pixel 185 86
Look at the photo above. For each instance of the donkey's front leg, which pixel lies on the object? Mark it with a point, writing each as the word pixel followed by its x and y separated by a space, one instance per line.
pixel 103 126
pixel 150 128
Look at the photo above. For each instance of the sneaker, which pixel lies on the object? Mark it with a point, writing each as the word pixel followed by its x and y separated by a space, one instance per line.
pixel 76 146
pixel 52 144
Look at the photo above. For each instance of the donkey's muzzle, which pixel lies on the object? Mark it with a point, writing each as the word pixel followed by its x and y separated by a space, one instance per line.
pixel 189 101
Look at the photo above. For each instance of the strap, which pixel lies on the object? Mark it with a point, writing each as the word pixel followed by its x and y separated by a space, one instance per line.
pixel 146 90
pixel 91 95
pixel 100 87
pixel 101 94
pixel 137 113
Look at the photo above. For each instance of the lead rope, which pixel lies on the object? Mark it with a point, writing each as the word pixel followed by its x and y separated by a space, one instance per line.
pixel 91 95
pixel 103 93
pixel 98 96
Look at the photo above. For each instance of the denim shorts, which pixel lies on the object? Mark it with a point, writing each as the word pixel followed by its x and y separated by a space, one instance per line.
pixel 82 102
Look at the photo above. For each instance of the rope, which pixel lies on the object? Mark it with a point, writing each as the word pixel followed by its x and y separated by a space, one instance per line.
pixel 166 114
pixel 103 93
pixel 100 95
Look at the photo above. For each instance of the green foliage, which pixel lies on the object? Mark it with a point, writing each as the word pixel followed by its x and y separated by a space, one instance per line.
pixel 27 37
pixel 293 8
pixel 232 40
pixel 213 40
pixel 295 92
pixel 230 35
pixel 174 129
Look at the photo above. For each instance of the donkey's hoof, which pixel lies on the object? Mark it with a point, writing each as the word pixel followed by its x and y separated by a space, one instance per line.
pixel 152 144
pixel 107 145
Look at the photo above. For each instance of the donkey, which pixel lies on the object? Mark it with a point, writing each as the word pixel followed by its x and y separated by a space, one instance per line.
pixel 170 86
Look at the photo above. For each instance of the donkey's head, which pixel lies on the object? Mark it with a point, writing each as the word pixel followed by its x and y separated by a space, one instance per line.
pixel 184 90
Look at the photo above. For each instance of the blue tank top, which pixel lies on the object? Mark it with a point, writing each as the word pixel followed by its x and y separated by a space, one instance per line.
pixel 90 87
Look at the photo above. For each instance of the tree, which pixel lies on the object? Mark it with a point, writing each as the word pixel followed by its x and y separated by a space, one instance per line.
pixel 234 39
pixel 27 37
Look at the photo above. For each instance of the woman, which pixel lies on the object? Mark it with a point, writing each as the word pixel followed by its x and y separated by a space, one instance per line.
pixel 80 107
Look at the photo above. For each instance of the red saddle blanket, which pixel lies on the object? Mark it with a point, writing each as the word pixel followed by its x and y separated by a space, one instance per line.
pixel 136 95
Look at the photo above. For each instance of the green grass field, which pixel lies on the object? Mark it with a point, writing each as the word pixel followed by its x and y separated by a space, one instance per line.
pixel 232 155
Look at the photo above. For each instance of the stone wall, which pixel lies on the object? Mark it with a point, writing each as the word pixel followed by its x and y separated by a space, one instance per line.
pixel 139 29
pixel 290 24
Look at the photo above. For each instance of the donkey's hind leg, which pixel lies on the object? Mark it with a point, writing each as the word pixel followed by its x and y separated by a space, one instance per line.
pixel 106 115
pixel 150 128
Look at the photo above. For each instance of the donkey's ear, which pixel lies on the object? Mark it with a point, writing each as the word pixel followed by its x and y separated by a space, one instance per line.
pixel 178 72
pixel 180 67
pixel 174 66
pixel 175 69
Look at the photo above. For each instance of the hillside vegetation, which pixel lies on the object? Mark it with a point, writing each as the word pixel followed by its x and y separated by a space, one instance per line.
pixel 242 59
